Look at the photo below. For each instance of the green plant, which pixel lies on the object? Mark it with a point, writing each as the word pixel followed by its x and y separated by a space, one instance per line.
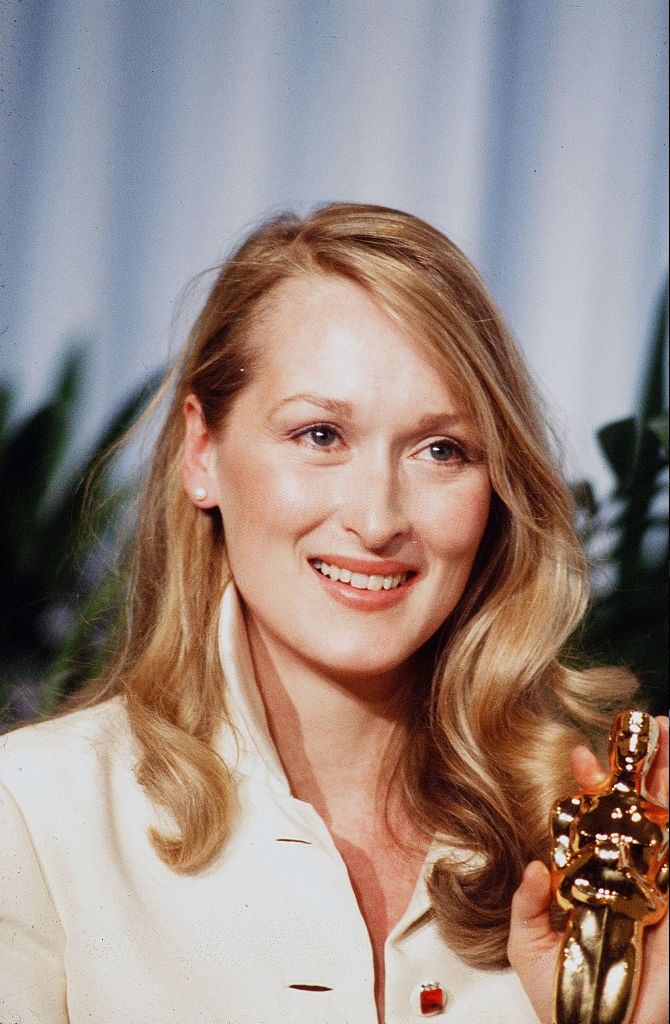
pixel 627 533
pixel 55 583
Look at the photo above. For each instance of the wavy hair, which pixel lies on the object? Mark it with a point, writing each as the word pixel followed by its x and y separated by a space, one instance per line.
pixel 491 735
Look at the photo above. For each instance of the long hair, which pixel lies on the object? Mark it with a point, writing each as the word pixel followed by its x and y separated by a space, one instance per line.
pixel 491 734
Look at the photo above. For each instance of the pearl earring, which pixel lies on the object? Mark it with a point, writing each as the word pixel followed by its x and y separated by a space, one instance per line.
pixel 200 493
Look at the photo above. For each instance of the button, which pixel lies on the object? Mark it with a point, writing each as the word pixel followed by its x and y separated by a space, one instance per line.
pixel 428 999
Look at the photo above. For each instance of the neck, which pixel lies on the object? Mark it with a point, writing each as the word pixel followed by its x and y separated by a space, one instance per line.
pixel 338 739
pixel 627 780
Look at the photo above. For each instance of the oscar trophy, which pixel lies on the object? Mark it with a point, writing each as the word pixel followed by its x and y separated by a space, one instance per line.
pixel 609 866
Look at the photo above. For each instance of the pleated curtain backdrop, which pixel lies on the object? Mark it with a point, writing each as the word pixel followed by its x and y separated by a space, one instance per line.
pixel 140 140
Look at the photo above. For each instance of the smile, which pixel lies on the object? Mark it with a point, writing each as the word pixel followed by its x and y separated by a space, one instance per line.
pixel 359 580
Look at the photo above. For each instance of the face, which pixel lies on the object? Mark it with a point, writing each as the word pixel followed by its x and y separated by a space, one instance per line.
pixel 353 492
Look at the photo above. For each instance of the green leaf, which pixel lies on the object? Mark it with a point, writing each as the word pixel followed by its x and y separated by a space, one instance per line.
pixel 658 426
pixel 6 402
pixel 68 516
pixel 584 497
pixel 653 388
pixel 36 446
pixel 618 443
pixel 75 662
pixel 34 456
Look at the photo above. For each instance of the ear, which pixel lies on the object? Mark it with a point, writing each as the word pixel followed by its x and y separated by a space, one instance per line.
pixel 199 462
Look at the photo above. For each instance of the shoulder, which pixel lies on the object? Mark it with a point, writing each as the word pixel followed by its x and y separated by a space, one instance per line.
pixel 40 761
pixel 76 731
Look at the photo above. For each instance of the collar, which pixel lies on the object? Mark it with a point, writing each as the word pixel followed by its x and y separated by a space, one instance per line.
pixel 253 742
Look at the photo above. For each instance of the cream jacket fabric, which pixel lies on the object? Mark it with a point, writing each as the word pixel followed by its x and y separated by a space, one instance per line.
pixel 95 929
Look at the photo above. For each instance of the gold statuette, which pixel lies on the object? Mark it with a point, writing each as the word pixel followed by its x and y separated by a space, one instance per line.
pixel 610 872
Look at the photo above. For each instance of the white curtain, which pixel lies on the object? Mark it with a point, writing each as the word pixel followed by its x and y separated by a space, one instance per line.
pixel 141 140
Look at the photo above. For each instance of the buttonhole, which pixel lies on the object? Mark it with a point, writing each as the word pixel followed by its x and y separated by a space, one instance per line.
pixel 312 988
pixel 305 841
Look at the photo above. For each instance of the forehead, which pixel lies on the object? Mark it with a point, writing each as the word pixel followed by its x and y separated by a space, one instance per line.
pixel 326 333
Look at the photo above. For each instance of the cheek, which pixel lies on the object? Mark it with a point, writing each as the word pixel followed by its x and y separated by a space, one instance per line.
pixel 453 525
pixel 258 491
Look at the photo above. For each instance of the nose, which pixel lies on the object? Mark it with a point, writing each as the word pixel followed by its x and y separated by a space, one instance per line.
pixel 373 505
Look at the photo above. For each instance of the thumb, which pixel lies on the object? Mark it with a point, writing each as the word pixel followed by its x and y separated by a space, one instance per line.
pixel 530 927
pixel 533 945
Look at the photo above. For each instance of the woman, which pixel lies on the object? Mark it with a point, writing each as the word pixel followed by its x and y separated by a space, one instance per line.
pixel 309 783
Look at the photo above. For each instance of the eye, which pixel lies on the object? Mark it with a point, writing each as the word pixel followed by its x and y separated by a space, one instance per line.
pixel 443 451
pixel 319 435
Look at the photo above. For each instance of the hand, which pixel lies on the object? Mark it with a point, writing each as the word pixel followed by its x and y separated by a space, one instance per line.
pixel 533 946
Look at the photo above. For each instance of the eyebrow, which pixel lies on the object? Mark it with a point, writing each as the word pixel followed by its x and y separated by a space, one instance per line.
pixel 429 422
pixel 334 405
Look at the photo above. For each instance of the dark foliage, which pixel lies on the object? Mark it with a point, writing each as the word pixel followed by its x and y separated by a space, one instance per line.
pixel 628 536
pixel 55 585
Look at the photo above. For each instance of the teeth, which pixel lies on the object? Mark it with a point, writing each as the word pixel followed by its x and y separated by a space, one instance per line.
pixel 359 580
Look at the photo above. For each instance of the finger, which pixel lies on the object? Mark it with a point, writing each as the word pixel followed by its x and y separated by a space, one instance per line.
pixel 656 940
pixel 587 769
pixel 530 926
pixel 657 784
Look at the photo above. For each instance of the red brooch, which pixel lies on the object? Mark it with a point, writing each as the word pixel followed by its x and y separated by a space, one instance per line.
pixel 431 999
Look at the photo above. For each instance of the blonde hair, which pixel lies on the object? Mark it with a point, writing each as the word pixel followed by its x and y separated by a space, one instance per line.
pixel 492 732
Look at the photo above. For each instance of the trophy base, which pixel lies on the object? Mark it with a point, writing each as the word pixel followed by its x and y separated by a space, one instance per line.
pixel 599 968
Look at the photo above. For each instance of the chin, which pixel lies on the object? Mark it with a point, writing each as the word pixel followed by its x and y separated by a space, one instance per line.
pixel 358 664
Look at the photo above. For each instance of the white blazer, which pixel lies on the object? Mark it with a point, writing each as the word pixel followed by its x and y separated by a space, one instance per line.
pixel 95 929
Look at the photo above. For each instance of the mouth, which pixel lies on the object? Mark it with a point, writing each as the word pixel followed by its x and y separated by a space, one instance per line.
pixel 375 581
